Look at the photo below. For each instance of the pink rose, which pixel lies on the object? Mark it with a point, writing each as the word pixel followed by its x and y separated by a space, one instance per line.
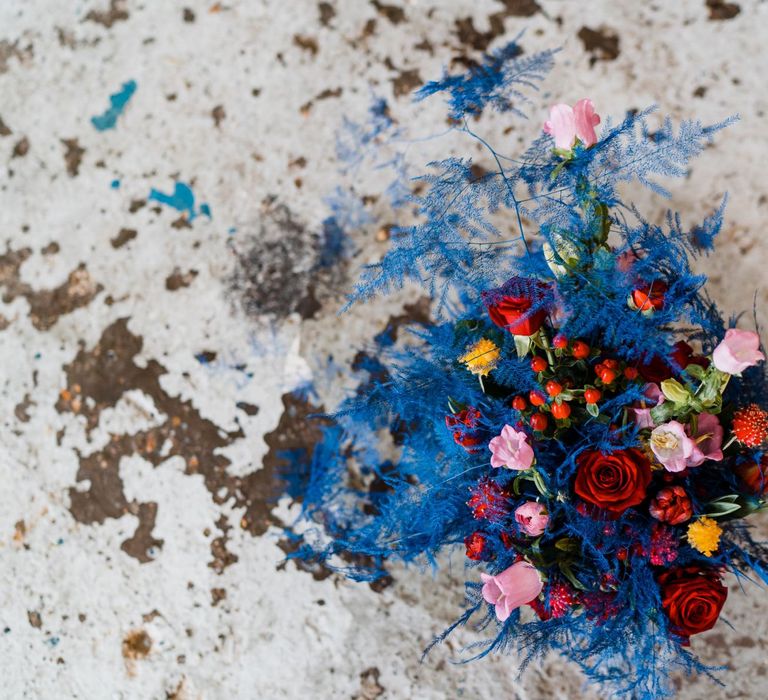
pixel 642 415
pixel 532 518
pixel 737 351
pixel 513 587
pixel 671 445
pixel 566 123
pixel 707 442
pixel 511 450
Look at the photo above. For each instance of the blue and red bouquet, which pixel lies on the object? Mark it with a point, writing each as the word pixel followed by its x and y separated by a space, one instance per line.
pixel 579 416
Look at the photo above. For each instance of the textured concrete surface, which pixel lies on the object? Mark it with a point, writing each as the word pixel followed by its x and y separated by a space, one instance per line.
pixel 149 352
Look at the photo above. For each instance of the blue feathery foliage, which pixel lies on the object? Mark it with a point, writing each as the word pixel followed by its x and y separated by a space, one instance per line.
pixel 430 485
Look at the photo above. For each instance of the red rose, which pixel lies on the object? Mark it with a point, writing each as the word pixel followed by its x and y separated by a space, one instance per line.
pixel 650 296
pixel 613 481
pixel 682 356
pixel 692 598
pixel 519 306
pixel 671 505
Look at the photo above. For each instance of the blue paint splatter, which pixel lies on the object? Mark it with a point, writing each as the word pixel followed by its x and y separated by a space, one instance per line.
pixel 115 184
pixel 117 103
pixel 182 199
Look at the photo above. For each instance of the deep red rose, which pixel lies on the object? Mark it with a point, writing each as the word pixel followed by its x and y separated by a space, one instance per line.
pixel 682 356
pixel 650 296
pixel 613 481
pixel 671 505
pixel 519 306
pixel 656 370
pixel 754 476
pixel 692 598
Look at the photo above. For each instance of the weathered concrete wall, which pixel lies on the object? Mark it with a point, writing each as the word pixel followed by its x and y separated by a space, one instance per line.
pixel 148 352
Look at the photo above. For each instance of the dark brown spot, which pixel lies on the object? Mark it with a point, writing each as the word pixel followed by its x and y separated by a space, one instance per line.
pixel 21 148
pixel 21 410
pixel 136 204
pixel 720 10
pixel 115 13
pixel 34 619
pixel 179 280
pixel 217 595
pixel 406 82
pixel 188 15
pixel 139 546
pixel 51 249
pixel 306 43
pixel 124 235
pixel 601 43
pixel 327 13
pixel 47 305
pixel 393 13
pixel 222 557
pixel 9 50
pixel 248 408
pixel 136 645
pixel 73 156
pixel 700 91
pixel 218 115
pixel 181 222
pixel 370 688
pixel 4 130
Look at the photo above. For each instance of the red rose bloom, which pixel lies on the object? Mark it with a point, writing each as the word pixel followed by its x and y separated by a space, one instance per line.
pixel 682 356
pixel 650 296
pixel 692 598
pixel 519 306
pixel 613 481
pixel 671 505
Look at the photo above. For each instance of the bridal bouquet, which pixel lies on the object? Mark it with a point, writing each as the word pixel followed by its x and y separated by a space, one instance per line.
pixel 579 417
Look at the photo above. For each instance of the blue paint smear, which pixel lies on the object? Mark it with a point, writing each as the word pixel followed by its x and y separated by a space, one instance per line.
pixel 182 199
pixel 115 184
pixel 117 103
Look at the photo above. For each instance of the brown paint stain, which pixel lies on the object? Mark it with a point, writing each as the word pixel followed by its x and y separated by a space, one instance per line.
pixel 721 10
pixel 124 235
pixel 106 18
pixel 394 13
pixel 306 43
pixel 602 44
pixel 73 156
pixel 219 114
pixel 139 546
pixel 46 305
pixel 21 148
pixel 326 12
pixel 136 646
pixel 179 280
pixel 370 688
pixel 470 36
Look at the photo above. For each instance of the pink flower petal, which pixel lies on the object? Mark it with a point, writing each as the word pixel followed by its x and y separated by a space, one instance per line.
pixel 561 126
pixel 586 120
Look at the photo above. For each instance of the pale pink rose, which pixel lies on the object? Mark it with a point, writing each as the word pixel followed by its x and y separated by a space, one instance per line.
pixel 513 587
pixel 511 450
pixel 532 518
pixel 586 121
pixel 642 415
pixel 708 441
pixel 561 126
pixel 671 445
pixel 737 351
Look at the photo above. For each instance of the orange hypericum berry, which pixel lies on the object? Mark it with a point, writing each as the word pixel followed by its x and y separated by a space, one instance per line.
pixel 519 403
pixel 539 421
pixel 580 350
pixel 611 364
pixel 631 372
pixel 561 411
pixel 553 388
pixel 750 425
pixel 560 342
pixel 537 398
pixel 592 395
pixel 607 375
pixel 538 364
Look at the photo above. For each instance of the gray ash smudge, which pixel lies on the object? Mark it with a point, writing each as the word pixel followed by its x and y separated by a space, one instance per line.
pixel 721 10
pixel 601 43
pixel 283 267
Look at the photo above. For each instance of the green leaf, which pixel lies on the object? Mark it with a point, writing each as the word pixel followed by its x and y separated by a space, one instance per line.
pixel 695 371
pixel 675 391
pixel 566 569
pixel 537 479
pixel 593 410
pixel 522 345
pixel 567 544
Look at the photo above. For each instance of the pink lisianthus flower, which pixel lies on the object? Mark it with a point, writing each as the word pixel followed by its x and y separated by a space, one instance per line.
pixel 737 351
pixel 671 445
pixel 566 123
pixel 641 415
pixel 532 518
pixel 511 450
pixel 707 442
pixel 513 587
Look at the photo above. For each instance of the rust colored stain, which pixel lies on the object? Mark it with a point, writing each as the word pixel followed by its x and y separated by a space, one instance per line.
pixel 46 305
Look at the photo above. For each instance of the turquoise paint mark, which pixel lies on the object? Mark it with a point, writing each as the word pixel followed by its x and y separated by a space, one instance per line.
pixel 115 184
pixel 117 103
pixel 182 199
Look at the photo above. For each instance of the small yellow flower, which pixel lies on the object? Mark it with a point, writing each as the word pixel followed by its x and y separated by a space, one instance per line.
pixel 481 357
pixel 704 535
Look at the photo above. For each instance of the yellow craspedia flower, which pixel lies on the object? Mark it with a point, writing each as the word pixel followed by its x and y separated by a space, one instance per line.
pixel 481 357
pixel 704 535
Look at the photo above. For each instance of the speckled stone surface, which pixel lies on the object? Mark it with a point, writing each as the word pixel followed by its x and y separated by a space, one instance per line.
pixel 150 351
